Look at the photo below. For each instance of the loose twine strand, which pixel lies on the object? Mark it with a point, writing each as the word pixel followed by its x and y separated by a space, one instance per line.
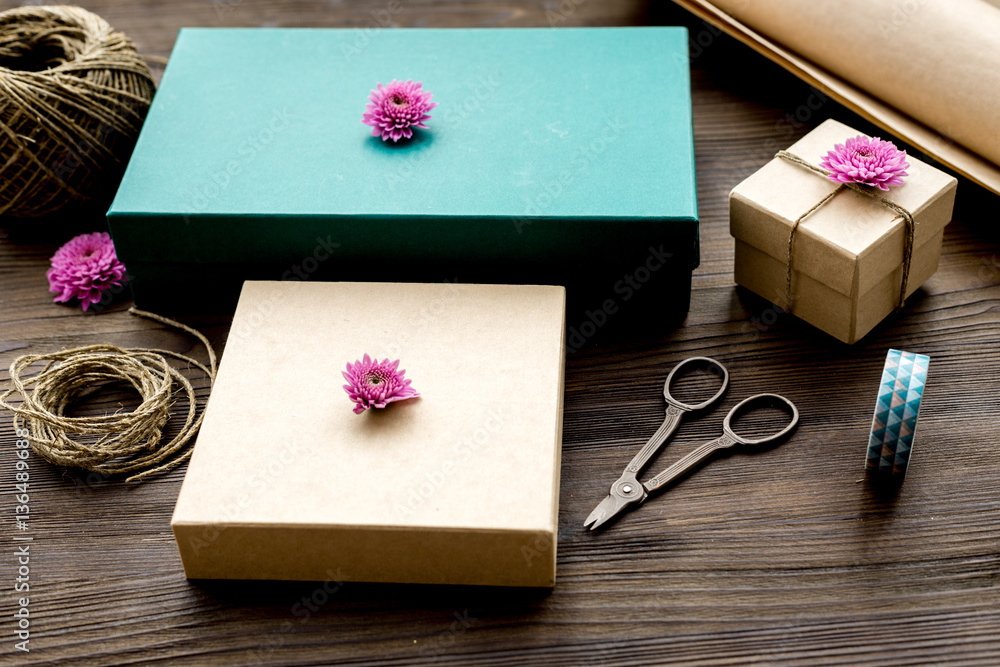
pixel 93 443
pixel 893 206
pixel 73 95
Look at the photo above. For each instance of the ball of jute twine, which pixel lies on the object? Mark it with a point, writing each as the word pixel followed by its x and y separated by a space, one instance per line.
pixel 73 95
pixel 97 443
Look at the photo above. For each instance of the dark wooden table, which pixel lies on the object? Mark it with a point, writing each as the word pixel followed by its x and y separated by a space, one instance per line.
pixel 786 556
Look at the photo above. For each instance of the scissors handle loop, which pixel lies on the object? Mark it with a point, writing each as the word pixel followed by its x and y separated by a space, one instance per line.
pixel 705 363
pixel 759 401
pixel 728 439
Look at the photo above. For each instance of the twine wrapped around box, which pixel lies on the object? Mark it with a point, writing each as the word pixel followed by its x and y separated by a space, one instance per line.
pixel 893 206
pixel 73 96
pixel 855 256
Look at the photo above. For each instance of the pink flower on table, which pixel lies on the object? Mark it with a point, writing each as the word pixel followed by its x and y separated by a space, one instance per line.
pixel 84 268
pixel 396 108
pixel 376 384
pixel 866 161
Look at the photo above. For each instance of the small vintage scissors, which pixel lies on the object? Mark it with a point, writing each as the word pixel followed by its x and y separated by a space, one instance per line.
pixel 628 492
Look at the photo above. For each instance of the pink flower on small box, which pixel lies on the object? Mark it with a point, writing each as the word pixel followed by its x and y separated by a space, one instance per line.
pixel 84 268
pixel 376 384
pixel 396 108
pixel 866 161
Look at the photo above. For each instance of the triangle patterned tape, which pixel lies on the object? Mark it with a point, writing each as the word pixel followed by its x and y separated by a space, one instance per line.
pixel 897 408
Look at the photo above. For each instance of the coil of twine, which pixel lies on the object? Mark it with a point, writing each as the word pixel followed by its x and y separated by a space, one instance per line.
pixel 73 95
pixel 110 444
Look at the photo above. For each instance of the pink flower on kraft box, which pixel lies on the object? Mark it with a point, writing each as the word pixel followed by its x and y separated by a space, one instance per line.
pixel 376 384
pixel 866 161
pixel 397 108
pixel 84 268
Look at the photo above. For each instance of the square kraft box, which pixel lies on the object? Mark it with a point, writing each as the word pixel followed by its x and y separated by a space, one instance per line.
pixel 554 156
pixel 848 254
pixel 458 486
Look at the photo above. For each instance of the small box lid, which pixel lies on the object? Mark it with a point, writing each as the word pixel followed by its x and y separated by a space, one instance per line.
pixel 851 242
pixel 573 124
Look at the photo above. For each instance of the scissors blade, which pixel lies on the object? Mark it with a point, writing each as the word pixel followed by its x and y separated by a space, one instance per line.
pixel 608 508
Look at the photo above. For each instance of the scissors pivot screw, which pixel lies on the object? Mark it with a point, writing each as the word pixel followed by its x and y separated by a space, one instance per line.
pixel 627 489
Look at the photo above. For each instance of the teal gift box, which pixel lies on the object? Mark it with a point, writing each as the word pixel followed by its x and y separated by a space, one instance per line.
pixel 554 155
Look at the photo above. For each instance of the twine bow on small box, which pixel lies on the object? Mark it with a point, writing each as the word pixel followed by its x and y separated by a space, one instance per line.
pixel 867 191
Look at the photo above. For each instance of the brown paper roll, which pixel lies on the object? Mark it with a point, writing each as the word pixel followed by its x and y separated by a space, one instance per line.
pixel 938 62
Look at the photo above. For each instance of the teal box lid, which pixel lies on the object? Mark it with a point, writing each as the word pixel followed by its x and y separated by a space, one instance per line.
pixel 548 146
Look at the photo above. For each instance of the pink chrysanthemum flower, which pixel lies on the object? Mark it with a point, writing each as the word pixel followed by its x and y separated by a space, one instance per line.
pixel 866 161
pixel 375 384
pixel 84 268
pixel 396 108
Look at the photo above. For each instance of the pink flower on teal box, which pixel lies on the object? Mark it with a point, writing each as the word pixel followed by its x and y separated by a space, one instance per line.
pixel 376 384
pixel 396 108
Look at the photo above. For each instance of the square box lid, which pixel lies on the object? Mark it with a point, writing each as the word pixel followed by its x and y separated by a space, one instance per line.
pixel 296 483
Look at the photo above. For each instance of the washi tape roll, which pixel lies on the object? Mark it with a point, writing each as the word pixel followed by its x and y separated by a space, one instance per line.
pixel 895 421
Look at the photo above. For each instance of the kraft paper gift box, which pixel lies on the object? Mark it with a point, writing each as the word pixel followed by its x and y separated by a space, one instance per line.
pixel 847 256
pixel 553 156
pixel 458 486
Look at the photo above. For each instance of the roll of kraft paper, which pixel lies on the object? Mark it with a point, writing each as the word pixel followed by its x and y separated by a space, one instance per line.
pixel 938 62
pixel 895 421
pixel 928 71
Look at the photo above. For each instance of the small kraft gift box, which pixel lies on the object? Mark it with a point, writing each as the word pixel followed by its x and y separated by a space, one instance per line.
pixel 459 485
pixel 854 256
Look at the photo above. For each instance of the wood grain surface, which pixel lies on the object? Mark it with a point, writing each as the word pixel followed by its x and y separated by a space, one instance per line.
pixel 785 556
